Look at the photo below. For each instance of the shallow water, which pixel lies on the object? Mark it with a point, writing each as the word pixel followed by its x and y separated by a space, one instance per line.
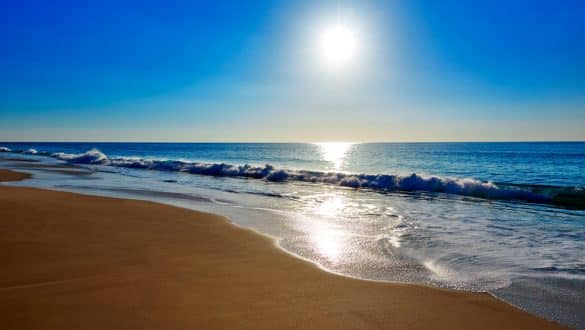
pixel 527 252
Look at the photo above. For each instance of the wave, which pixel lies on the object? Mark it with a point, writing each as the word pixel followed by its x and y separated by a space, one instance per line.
pixel 565 196
pixel 91 157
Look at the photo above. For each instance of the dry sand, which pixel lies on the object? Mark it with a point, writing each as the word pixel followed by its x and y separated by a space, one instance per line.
pixel 79 262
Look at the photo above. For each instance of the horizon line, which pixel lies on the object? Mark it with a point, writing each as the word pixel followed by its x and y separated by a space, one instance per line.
pixel 298 142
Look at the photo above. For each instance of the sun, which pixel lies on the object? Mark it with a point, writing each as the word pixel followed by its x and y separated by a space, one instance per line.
pixel 338 45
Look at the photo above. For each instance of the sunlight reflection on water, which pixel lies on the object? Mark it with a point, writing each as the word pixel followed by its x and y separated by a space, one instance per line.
pixel 335 152
pixel 327 240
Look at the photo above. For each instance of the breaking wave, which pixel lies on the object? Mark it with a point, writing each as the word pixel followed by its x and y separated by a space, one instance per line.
pixel 566 196
pixel 91 157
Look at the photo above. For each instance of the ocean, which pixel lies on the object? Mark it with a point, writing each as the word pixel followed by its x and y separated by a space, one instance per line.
pixel 504 218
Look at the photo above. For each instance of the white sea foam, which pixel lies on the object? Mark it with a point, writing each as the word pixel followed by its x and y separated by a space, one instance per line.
pixel 30 152
pixel 92 157
pixel 377 182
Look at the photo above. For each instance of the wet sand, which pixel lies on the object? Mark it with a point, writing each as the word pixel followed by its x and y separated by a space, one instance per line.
pixel 80 262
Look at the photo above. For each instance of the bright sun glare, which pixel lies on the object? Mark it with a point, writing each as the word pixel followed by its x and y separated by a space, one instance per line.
pixel 335 152
pixel 338 45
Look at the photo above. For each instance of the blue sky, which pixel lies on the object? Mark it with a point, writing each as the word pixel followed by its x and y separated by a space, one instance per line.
pixel 247 71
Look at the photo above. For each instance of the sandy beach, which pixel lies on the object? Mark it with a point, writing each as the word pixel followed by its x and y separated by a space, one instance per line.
pixel 80 262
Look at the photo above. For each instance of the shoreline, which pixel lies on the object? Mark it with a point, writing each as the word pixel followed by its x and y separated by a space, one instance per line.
pixel 143 264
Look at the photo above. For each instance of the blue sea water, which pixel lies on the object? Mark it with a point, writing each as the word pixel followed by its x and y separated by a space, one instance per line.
pixel 544 163
pixel 506 218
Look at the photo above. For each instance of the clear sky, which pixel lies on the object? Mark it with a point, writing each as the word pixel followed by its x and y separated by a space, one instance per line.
pixel 241 70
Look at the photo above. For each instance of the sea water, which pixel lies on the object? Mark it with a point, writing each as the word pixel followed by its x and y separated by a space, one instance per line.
pixel 505 218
